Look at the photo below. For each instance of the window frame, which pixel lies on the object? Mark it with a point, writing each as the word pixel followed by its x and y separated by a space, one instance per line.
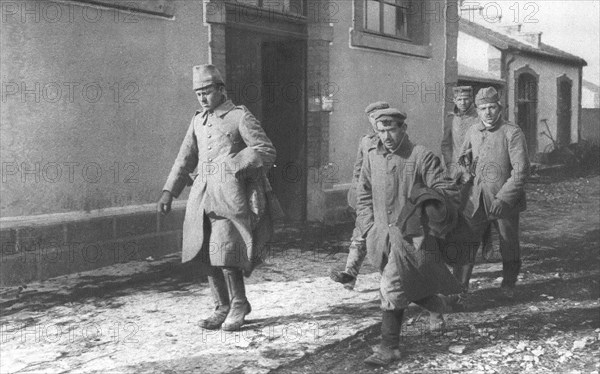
pixel 362 37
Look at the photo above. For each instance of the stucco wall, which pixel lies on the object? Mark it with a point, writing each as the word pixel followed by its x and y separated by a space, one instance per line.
pixel 548 73
pixel 360 76
pixel 113 103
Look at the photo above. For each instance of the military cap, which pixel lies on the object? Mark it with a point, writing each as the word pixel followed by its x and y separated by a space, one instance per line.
pixel 487 95
pixel 376 106
pixel 390 114
pixel 206 75
pixel 458 90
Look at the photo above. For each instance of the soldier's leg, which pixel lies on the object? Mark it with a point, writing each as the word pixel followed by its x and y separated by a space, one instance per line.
pixel 508 230
pixel 393 304
pixel 356 255
pixel 218 288
pixel 239 305
pixel 216 282
pixel 437 305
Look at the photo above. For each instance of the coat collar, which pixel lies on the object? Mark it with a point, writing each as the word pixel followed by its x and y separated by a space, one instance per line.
pixel 482 127
pixel 220 111
pixel 471 112
pixel 404 150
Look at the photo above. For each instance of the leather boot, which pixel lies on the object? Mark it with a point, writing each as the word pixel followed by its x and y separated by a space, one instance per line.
pixel 388 351
pixel 240 306
pixel 462 273
pixel 218 288
pixel 510 272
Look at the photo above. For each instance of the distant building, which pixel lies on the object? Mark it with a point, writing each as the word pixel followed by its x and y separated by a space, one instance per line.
pixel 540 84
pixel 590 97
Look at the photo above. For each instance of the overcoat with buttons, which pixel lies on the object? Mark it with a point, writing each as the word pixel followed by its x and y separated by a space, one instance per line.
pixel 227 147
pixel 411 267
pixel 500 163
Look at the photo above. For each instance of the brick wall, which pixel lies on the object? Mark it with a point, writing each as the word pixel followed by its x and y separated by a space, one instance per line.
pixel 43 247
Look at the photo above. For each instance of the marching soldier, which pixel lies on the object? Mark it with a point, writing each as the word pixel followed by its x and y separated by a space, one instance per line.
pixel 391 171
pixel 227 204
pixel 495 153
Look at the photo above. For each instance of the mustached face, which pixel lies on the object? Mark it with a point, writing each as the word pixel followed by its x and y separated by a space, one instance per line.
pixel 488 112
pixel 391 133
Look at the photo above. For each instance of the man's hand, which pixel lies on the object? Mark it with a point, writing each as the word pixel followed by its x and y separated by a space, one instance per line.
pixel 498 208
pixel 164 203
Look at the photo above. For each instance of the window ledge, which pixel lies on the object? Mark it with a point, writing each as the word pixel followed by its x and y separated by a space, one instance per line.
pixel 359 38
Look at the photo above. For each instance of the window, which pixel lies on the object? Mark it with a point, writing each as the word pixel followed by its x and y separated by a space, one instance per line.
pixel 162 8
pixel 391 25
pixel 388 17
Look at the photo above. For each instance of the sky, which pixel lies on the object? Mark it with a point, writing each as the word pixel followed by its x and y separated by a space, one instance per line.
pixel 572 26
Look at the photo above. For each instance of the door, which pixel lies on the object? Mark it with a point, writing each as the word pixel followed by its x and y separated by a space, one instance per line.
pixel 266 73
pixel 526 105
pixel 563 110
pixel 283 112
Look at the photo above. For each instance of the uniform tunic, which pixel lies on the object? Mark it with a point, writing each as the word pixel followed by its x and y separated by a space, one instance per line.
pixel 411 269
pixel 229 149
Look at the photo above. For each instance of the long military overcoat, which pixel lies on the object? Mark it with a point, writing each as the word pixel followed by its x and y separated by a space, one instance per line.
pixel 500 162
pixel 411 269
pixel 228 149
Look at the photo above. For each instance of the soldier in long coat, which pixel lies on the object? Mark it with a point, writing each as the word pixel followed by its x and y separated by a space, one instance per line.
pixel 226 204
pixel 358 248
pixel 495 153
pixel 391 169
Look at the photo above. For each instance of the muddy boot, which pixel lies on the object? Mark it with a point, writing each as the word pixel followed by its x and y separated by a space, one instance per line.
pixel 462 273
pixel 341 276
pixel 510 272
pixel 388 350
pixel 240 306
pixel 218 288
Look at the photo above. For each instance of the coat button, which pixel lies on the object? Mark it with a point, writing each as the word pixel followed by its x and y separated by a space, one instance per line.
pixel 210 160
pixel 210 125
pixel 389 224
pixel 210 136
pixel 389 212
pixel 209 148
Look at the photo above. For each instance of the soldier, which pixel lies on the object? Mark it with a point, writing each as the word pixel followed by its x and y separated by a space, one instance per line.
pixel 495 153
pixel 392 167
pixel 358 249
pixel 463 117
pixel 227 202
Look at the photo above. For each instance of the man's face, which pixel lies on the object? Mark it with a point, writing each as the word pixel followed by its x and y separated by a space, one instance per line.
pixel 488 113
pixel 463 102
pixel 391 133
pixel 210 97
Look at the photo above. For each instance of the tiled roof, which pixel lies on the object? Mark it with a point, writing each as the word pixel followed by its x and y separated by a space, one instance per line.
pixel 506 42
pixel 468 73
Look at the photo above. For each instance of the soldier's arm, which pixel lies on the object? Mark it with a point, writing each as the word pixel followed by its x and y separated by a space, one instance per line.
pixel 447 143
pixel 364 201
pixel 260 150
pixel 185 163
pixel 359 160
pixel 519 160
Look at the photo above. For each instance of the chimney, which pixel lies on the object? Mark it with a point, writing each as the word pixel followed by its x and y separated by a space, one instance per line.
pixel 512 29
pixel 534 38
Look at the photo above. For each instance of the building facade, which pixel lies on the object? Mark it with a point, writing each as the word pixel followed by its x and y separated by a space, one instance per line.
pixel 96 98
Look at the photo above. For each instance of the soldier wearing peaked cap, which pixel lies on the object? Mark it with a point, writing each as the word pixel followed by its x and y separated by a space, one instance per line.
pixel 495 152
pixel 358 249
pixel 229 213
pixel 393 170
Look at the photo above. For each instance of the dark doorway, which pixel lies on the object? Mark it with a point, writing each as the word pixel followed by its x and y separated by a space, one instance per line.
pixel 266 72
pixel 526 105
pixel 563 110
